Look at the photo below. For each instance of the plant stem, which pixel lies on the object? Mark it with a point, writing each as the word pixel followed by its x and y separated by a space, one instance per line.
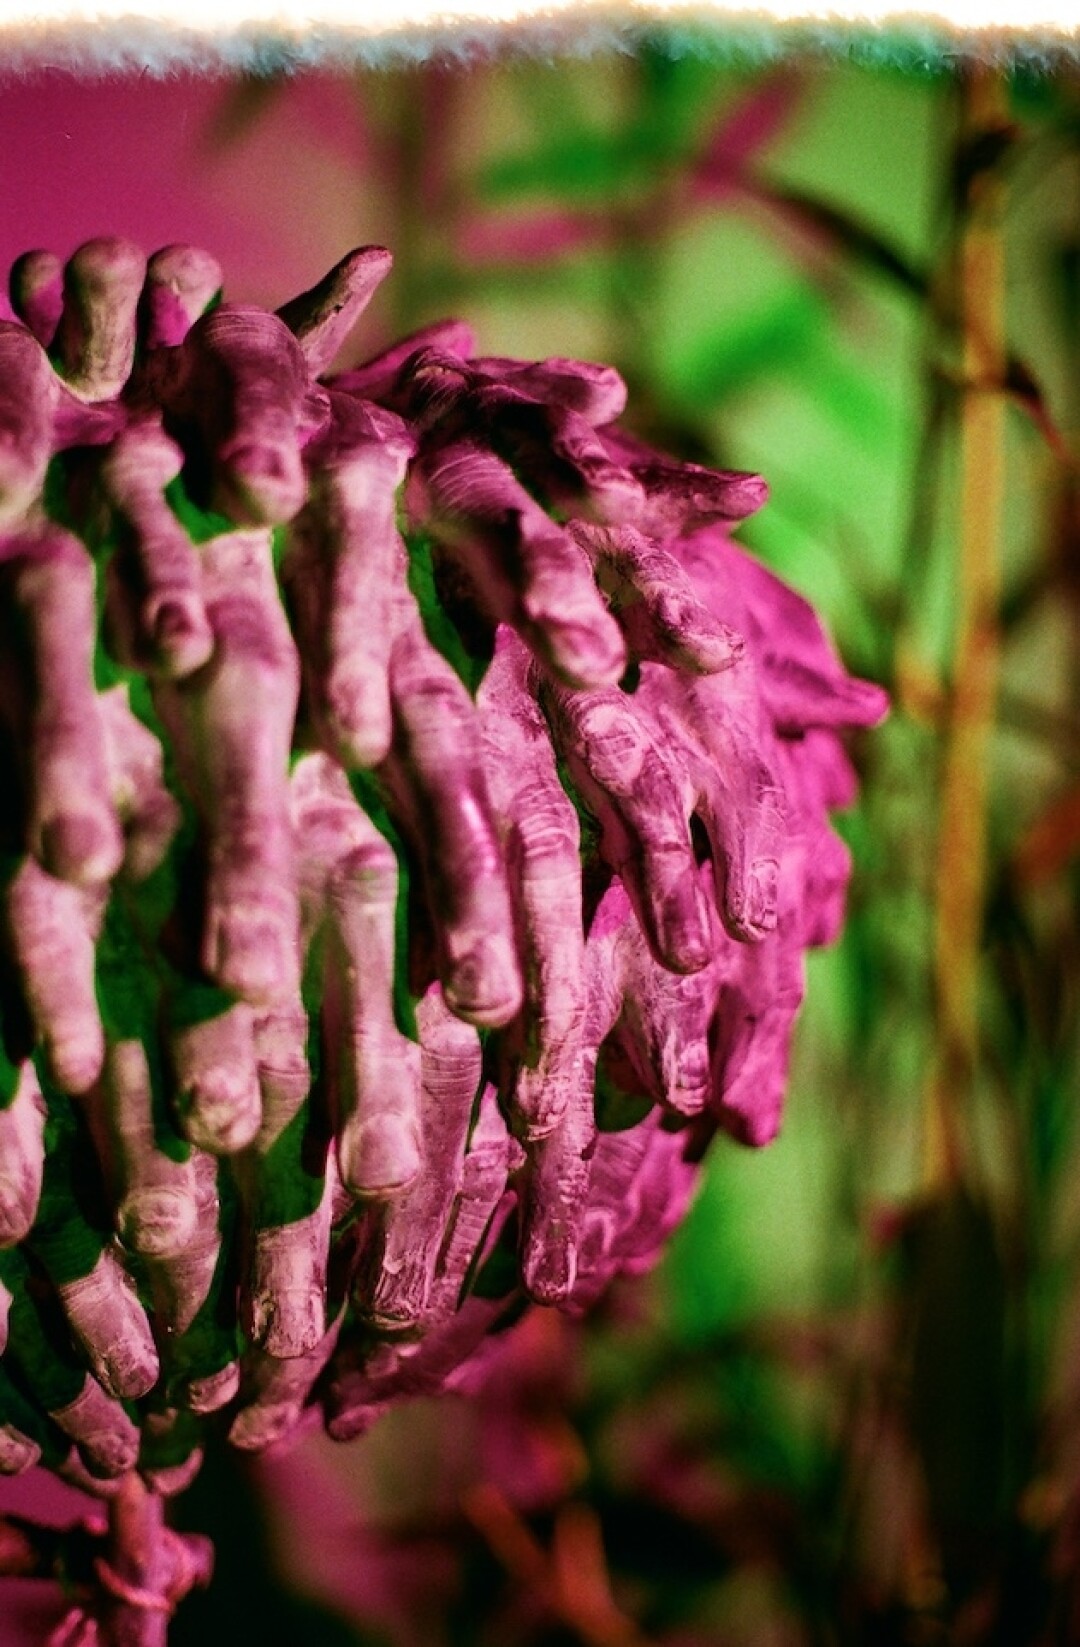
pixel 140 1557
pixel 962 834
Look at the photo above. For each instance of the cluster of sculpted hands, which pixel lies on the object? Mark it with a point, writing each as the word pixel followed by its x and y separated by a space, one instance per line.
pixel 415 818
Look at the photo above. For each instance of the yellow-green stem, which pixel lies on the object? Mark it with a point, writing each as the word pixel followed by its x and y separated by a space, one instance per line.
pixel 962 836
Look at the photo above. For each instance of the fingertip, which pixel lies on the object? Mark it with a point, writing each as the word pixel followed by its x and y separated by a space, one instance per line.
pixel 358 716
pixel 549 1267
pixel 17 1452
pixel 75 1055
pixel 260 483
pixel 178 633
pixel 82 848
pixel 214 1391
pixel 868 703
pixel 379 1156
pixel 169 1480
pixel 483 985
pixel 751 903
pixel 286 1322
pixel 537 1104
pixel 579 655
pixel 218 1115
pixel 18 1206
pixel 36 289
pixel 708 647
pixel 683 934
pixel 157 1223
pixel 247 953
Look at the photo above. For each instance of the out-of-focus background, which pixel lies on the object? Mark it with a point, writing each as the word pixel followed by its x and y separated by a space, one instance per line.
pixel 846 1409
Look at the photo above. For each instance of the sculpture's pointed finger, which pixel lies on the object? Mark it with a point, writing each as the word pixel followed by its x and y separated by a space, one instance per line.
pixel 435 775
pixel 322 318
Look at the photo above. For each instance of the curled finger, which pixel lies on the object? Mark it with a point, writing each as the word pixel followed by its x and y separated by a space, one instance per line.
pixel 52 929
pixel 46 583
pixel 156 597
pixel 527 571
pixel 655 601
pixel 343 575
pixel 642 800
pixel 435 777
pixel 231 724
pixel 22 1159
pixel 397 1269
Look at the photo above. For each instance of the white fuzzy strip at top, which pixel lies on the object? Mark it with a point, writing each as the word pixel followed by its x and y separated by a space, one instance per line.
pixel 165 35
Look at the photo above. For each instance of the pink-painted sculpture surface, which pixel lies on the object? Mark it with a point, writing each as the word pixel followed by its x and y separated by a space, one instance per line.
pixel 417 819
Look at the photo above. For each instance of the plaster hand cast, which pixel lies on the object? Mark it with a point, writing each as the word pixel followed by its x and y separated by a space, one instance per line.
pixel 439 704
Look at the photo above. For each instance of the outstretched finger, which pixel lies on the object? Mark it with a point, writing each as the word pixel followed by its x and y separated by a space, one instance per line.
pixel 52 930
pixel 287 1191
pixel 193 1292
pixel 756 1017
pixel 680 498
pixel 152 1172
pixel 559 455
pixel 322 318
pixel 28 395
pixel 384 378
pixel 800 697
pixel 556 1190
pixel 743 809
pixel 240 382
pixel 215 1074
pixel 148 813
pixel 660 1046
pixel 596 393
pixel 374 1069
pixel 100 1304
pixel 47 1377
pixel 274 1391
pixel 36 289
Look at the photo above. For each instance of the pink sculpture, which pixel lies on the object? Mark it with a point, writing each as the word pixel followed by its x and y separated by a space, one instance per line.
pixel 432 702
